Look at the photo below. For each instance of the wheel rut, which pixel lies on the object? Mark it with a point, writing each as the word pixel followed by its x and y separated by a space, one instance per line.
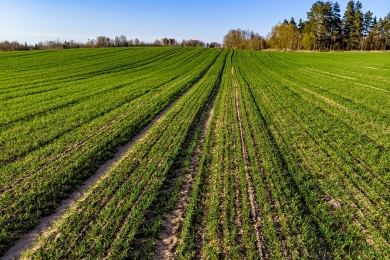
pixel 255 212
pixel 166 244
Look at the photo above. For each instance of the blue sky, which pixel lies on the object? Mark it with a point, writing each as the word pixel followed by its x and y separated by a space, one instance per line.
pixel 33 21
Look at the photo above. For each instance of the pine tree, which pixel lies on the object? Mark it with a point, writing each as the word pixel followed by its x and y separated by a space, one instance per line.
pixel 317 22
pixel 357 32
pixel 300 29
pixel 368 22
pixel 328 22
pixel 301 25
pixel 336 30
pixel 375 34
pixel 292 21
pixel 385 32
pixel 348 23
pixel 367 27
pixel 380 33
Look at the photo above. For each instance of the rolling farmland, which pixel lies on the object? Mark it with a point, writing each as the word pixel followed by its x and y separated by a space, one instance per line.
pixel 231 154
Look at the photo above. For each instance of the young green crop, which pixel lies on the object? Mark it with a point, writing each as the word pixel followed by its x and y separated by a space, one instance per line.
pixel 104 222
pixel 294 165
pixel 47 153
pixel 315 141
pixel 328 152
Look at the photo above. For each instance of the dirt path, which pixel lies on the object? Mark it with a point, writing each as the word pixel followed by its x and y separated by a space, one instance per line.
pixel 28 240
pixel 165 246
pixel 256 218
pixel 237 184
pixel 267 185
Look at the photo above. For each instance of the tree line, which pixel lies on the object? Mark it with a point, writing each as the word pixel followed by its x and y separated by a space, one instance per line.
pixel 324 29
pixel 104 42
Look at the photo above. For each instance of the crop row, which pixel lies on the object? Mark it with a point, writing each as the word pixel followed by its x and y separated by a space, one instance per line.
pixel 250 207
pixel 338 170
pixel 79 110
pixel 293 166
pixel 42 68
pixel 66 145
pixel 294 162
pixel 105 220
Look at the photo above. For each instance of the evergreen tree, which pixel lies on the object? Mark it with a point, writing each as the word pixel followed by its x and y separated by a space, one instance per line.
pixel 336 31
pixel 367 28
pixel 368 22
pixel 328 22
pixel 300 29
pixel 380 33
pixel 301 25
pixel 357 26
pixel 292 21
pixel 348 23
pixel 385 32
pixel 319 23
pixel 324 29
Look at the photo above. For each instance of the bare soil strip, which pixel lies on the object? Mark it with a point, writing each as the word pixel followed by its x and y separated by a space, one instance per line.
pixel 238 194
pixel 270 200
pixel 204 201
pixel 44 223
pixel 166 245
pixel 140 197
pixel 256 218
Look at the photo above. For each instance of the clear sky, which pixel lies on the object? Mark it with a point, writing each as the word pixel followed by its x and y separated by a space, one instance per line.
pixel 32 21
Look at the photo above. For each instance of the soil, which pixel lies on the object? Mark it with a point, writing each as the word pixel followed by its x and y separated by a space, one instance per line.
pixel 256 218
pixel 167 241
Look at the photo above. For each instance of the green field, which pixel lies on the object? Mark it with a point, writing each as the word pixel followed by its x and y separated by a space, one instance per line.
pixel 275 155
